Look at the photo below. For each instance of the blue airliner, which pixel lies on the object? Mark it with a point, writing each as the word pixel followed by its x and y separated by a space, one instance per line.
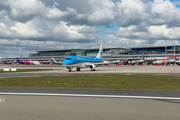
pixel 83 62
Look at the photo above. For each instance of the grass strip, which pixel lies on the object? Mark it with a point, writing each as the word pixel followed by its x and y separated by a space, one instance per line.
pixel 24 70
pixel 131 82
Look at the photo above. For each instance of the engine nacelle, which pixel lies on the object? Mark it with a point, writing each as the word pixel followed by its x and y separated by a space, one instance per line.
pixel 92 67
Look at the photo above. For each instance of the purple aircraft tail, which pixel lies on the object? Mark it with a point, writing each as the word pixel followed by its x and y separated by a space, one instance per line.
pixel 17 59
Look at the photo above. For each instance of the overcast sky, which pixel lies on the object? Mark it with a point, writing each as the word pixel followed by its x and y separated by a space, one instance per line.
pixel 27 26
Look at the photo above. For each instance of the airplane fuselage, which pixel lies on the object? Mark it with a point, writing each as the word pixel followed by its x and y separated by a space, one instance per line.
pixel 83 62
pixel 27 62
pixel 79 60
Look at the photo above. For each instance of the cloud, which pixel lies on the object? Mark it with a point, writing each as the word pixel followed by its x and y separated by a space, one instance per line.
pixel 130 12
pixel 176 2
pixel 87 29
pixel 23 10
pixel 125 13
pixel 40 30
pixel 100 12
pixel 108 32
pixel 62 24
pixel 159 12
pixel 152 33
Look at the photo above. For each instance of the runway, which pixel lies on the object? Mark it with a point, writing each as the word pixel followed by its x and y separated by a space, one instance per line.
pixel 45 107
pixel 82 108
pixel 175 94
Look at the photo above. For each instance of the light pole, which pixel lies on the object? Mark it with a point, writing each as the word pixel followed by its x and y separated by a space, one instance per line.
pixel 165 49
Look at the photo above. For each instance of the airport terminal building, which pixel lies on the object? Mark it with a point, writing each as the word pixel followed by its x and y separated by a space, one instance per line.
pixel 108 53
pixel 112 53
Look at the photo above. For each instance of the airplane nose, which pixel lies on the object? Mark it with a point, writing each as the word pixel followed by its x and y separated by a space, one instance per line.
pixel 64 62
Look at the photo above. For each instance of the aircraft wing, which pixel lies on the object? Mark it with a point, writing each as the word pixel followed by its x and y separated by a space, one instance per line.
pixel 101 63
pixel 89 64
pixel 117 61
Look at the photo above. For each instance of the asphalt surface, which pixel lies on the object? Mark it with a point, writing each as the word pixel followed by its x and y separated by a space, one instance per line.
pixel 86 108
pixel 60 70
pixel 45 107
pixel 91 91
pixel 80 104
pixel 12 75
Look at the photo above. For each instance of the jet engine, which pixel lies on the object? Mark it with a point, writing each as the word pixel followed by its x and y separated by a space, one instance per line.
pixel 92 67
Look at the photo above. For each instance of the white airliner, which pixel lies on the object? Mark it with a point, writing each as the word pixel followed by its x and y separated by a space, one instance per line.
pixel 177 62
pixel 59 62
pixel 137 62
pixel 35 62
pixel 166 62
pixel 84 62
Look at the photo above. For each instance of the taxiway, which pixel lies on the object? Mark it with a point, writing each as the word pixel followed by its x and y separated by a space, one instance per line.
pixel 60 70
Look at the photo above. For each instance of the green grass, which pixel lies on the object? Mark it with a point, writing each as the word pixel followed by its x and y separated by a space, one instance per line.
pixel 132 82
pixel 24 70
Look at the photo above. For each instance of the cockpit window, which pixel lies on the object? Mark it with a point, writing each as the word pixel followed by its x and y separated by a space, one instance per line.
pixel 68 59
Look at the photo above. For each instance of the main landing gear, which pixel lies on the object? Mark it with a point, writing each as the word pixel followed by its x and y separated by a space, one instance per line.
pixel 78 69
pixel 70 68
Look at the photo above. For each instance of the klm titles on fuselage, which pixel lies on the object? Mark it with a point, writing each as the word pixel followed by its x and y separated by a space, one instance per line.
pixel 80 58
pixel 90 59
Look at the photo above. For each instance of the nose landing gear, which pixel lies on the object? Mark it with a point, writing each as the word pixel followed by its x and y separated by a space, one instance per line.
pixel 69 68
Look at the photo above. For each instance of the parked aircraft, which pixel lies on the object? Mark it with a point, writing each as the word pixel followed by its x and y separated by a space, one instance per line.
pixel 166 62
pixel 177 62
pixel 22 62
pixel 59 62
pixel 35 62
pixel 27 62
pixel 137 62
pixel 84 62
